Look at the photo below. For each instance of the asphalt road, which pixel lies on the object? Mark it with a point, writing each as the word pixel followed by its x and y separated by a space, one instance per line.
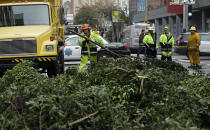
pixel 181 59
pixel 205 61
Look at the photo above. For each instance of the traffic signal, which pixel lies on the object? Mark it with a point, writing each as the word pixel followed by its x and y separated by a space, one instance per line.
pixel 190 10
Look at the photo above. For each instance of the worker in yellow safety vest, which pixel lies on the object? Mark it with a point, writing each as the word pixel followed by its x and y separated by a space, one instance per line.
pixel 193 48
pixel 95 31
pixel 166 41
pixel 150 43
pixel 89 50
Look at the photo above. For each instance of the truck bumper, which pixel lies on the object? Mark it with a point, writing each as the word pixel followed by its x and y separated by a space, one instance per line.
pixel 38 61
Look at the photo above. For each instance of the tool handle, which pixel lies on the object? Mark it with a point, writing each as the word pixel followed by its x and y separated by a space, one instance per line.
pixel 95 43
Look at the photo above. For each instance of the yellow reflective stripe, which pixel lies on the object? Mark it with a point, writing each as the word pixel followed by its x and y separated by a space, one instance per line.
pixel 39 59
pixel 53 59
pixel 44 59
pixel 180 46
pixel 21 59
pixel 16 60
pixel 49 59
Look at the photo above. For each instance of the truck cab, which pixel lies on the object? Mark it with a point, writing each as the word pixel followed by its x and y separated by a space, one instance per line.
pixel 32 30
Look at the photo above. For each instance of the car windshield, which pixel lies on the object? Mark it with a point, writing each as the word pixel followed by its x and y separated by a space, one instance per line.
pixel 73 41
pixel 21 15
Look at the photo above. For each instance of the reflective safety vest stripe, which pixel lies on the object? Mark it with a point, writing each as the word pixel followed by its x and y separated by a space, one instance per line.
pixel 166 42
pixel 166 47
pixel 93 50
pixel 84 50
pixel 90 48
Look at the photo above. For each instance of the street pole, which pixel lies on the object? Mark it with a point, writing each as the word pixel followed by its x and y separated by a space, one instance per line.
pixel 185 17
pixel 146 9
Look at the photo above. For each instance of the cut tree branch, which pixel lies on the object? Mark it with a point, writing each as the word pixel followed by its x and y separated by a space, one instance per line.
pixel 84 118
pixel 14 107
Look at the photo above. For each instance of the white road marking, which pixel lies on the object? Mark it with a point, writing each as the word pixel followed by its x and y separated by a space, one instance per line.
pixel 187 61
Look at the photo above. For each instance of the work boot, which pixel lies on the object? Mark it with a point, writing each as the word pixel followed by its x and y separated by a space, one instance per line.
pixel 198 66
pixel 191 66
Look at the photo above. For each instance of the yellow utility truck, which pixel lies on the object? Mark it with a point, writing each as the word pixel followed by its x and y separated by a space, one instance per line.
pixel 32 30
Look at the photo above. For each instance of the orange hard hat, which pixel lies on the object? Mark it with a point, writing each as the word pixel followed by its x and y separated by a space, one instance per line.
pixel 85 26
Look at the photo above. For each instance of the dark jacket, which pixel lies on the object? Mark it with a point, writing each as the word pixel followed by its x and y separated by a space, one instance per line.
pixel 141 37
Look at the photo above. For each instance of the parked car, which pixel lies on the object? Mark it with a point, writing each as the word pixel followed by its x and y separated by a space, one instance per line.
pixel 72 50
pixel 119 48
pixel 181 44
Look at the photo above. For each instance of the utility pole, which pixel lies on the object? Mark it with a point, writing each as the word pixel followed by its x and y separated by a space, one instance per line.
pixel 185 17
pixel 146 9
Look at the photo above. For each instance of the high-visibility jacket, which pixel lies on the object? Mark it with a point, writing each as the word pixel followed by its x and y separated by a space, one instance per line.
pixel 90 48
pixel 193 41
pixel 148 41
pixel 166 42
pixel 97 32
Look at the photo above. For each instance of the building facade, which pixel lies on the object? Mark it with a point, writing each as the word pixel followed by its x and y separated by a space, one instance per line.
pixel 158 14
pixel 133 6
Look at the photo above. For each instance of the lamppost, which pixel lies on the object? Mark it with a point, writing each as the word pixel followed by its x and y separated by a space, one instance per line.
pixel 146 9
pixel 185 16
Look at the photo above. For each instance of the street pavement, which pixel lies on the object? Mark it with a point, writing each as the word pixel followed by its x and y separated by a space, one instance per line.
pixel 205 61
pixel 181 59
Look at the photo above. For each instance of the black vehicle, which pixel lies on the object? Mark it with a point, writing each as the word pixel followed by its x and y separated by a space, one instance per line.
pixel 75 28
pixel 117 47
pixel 72 50
pixel 181 44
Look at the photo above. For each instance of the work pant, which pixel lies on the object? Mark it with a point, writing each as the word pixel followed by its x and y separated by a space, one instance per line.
pixel 84 61
pixel 166 56
pixel 194 57
pixel 141 49
pixel 151 53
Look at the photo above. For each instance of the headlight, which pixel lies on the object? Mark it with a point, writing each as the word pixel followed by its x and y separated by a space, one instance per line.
pixel 49 48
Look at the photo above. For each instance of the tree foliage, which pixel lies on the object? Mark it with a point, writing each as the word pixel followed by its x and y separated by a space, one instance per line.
pixel 169 97
pixel 95 14
pixel 87 14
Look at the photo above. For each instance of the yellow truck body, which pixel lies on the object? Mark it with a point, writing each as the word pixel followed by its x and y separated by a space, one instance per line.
pixel 34 30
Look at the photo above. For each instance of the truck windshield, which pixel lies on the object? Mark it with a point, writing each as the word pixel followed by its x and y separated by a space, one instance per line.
pixel 23 15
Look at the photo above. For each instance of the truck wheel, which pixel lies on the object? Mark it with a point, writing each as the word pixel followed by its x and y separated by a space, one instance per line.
pixel 61 65
pixel 57 67
pixel 1 74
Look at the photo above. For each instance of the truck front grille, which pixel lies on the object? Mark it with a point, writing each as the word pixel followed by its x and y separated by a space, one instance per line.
pixel 11 47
